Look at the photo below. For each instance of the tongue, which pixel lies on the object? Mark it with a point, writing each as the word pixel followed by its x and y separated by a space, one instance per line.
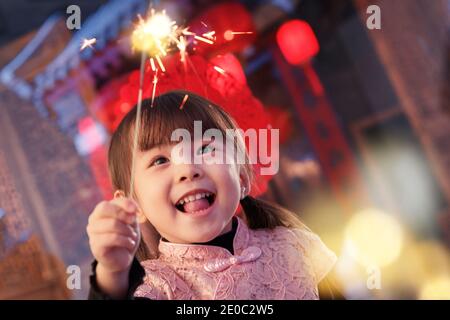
pixel 196 205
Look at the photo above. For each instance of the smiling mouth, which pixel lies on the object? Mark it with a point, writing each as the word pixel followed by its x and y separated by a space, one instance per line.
pixel 196 203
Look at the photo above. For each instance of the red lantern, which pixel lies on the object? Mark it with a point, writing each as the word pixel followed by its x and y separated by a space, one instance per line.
pixel 225 74
pixel 297 42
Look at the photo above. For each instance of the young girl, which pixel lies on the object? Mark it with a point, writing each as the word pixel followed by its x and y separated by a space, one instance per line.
pixel 183 224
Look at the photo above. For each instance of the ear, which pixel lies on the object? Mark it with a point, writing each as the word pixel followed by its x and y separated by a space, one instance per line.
pixel 119 194
pixel 141 218
pixel 245 183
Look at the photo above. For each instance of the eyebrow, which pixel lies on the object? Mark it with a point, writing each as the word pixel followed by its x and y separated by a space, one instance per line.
pixel 159 146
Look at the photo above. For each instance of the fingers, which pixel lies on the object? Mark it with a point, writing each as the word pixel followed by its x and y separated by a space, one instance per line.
pixel 120 208
pixel 105 241
pixel 131 208
pixel 111 225
pixel 126 204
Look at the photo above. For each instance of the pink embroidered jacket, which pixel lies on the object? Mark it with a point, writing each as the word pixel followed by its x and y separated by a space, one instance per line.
pixel 268 264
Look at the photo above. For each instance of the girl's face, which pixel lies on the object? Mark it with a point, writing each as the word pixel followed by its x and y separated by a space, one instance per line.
pixel 187 203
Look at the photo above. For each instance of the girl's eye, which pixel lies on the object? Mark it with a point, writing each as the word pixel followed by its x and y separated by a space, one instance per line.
pixel 206 148
pixel 158 161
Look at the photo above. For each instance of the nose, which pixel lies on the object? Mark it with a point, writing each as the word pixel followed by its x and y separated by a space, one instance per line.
pixel 188 172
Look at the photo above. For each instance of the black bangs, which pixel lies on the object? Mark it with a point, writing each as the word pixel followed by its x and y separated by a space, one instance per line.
pixel 160 121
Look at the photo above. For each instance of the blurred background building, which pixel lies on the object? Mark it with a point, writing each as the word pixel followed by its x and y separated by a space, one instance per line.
pixel 364 119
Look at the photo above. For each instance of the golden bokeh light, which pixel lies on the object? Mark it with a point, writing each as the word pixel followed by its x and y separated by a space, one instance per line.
pixel 374 238
pixel 437 288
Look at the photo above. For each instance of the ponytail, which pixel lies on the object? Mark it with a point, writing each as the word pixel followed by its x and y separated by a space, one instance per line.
pixel 148 245
pixel 262 214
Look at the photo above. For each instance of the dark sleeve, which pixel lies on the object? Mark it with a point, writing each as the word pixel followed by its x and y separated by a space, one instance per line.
pixel 135 279
pixel 328 290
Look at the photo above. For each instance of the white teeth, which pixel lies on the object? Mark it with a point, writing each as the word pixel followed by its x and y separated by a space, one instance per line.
pixel 194 197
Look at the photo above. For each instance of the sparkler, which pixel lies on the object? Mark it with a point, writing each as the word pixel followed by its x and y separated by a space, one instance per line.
pixel 155 37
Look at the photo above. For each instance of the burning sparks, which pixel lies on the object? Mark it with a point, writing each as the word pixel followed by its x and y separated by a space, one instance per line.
pixel 155 82
pixel 88 43
pixel 182 44
pixel 152 63
pixel 229 35
pixel 184 101
pixel 158 35
pixel 210 35
pixel 203 39
pixel 155 35
pixel 160 63
pixel 219 70
pixel 241 32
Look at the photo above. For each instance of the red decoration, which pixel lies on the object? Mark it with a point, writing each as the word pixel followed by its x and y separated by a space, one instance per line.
pixel 297 42
pixel 226 74
pixel 333 150
pixel 224 18
pixel 97 161
pixel 105 105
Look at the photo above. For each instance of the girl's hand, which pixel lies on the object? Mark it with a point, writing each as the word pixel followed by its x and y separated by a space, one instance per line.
pixel 114 235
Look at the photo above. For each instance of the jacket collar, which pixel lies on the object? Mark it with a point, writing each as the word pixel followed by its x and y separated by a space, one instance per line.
pixel 189 253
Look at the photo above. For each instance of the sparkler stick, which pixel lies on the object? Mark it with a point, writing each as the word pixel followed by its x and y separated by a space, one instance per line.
pixel 137 124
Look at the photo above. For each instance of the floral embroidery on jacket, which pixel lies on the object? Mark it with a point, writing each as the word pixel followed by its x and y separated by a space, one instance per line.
pixel 269 264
